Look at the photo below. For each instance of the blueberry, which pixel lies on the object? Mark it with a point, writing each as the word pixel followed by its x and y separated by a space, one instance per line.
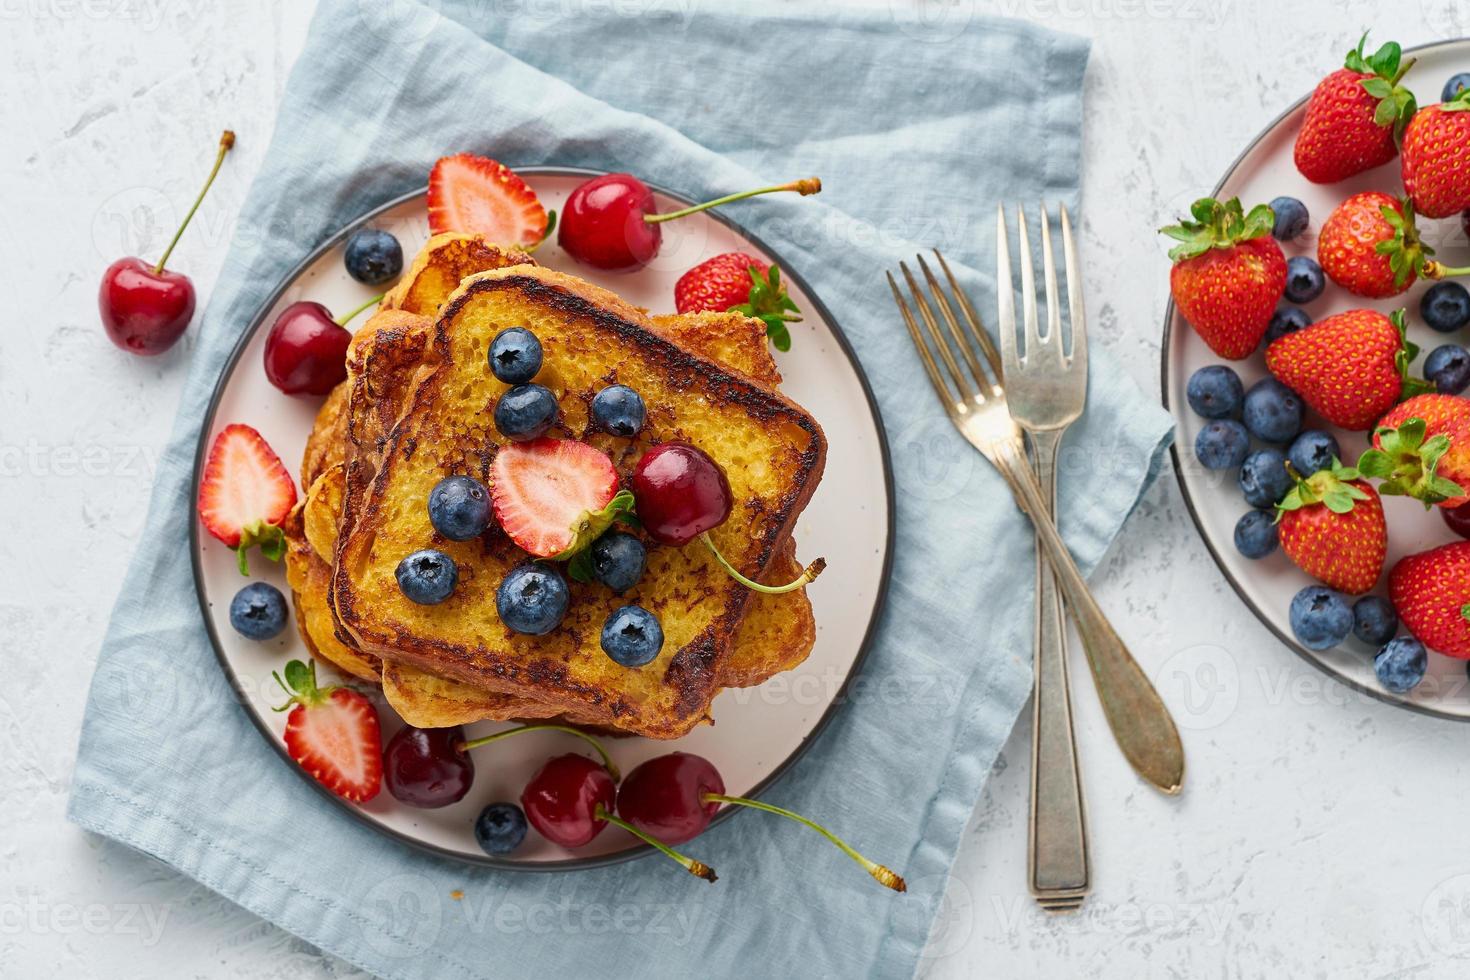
pixel 515 355
pixel 1263 478
pixel 1320 617
pixel 1374 620
pixel 618 559
pixel 632 636
pixel 258 611
pixel 1448 366
pixel 1291 218
pixel 459 508
pixel 1222 444
pixel 500 828
pixel 1255 534
pixel 1214 392
pixel 373 256
pixel 532 599
pixel 618 409
pixel 1445 306
pixel 1272 412
pixel 1454 86
pixel 427 577
pixel 1304 279
pixel 1311 451
pixel 1287 319
pixel 525 412
pixel 1400 665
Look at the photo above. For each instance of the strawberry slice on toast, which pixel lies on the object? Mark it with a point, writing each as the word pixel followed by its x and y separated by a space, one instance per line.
pixel 553 497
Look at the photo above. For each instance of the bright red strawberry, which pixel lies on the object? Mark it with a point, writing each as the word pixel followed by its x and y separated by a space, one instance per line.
pixel 1431 591
pixel 743 283
pixel 245 494
pixel 1436 164
pixel 332 733
pixel 1422 449
pixel 1228 274
pixel 477 194
pixel 1331 525
pixel 1370 246
pixel 1354 116
pixel 553 497
pixel 1350 368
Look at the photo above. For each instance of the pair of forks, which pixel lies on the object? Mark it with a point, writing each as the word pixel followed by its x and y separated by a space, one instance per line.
pixel 991 399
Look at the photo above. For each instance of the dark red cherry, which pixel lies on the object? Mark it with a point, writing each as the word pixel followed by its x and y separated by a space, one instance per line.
pixel 561 801
pixel 602 223
pixel 681 493
pixel 145 308
pixel 665 796
pixel 1458 519
pixel 306 350
pixel 428 767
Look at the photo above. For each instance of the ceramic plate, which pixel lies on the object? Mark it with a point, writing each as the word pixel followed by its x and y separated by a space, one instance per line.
pixel 760 731
pixel 1265 171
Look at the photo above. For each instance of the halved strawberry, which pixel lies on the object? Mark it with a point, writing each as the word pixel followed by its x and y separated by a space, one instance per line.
pixel 477 194
pixel 553 497
pixel 245 494
pixel 333 734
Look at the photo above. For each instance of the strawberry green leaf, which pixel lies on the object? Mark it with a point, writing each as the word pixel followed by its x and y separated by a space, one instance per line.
pixel 1217 225
pixel 270 538
pixel 588 527
pixel 769 302
pixel 1465 612
pixel 580 567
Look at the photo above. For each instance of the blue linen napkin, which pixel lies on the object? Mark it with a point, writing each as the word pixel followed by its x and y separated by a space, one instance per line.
pixel 919 127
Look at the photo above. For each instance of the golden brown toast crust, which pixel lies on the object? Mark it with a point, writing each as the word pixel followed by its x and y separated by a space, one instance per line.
pixel 567 668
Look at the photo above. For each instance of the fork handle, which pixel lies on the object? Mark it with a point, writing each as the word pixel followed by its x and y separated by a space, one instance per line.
pixel 1140 722
pixel 1057 860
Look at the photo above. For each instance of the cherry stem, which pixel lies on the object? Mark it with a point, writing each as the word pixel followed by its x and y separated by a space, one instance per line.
pixel 809 574
pixel 805 186
pixel 1438 270
pixel 346 318
pixel 697 868
pixel 883 875
pixel 225 142
pixel 607 762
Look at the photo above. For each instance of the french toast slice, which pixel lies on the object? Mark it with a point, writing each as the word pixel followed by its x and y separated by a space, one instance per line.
pixel 772 451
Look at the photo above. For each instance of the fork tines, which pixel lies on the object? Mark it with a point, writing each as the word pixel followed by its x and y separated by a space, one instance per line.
pixel 1045 348
pixel 983 379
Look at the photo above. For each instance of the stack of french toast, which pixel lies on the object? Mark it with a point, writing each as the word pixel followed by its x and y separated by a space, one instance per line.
pixel 417 407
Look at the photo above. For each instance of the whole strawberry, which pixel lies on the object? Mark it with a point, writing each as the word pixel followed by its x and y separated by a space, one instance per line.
pixel 1228 274
pixel 1431 591
pixel 1436 163
pixel 742 283
pixel 1422 449
pixel 1350 368
pixel 1354 116
pixel 1331 525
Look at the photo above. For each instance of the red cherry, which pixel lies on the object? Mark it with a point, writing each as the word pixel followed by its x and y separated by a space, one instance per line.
pixel 562 800
pixel 681 493
pixel 306 350
pixel 609 221
pixel 145 308
pixel 665 796
pixel 1458 519
pixel 428 767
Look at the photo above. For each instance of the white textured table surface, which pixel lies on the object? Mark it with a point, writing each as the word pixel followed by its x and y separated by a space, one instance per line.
pixel 1320 833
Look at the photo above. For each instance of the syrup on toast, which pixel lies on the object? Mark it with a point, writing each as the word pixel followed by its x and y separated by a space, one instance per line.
pixel 772 452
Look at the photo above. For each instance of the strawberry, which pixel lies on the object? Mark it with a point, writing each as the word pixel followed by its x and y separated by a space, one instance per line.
pixel 245 494
pixel 1436 163
pixel 1354 116
pixel 1422 449
pixel 1431 591
pixel 1350 368
pixel 332 733
pixel 1331 525
pixel 477 194
pixel 743 283
pixel 1370 246
pixel 553 497
pixel 1228 274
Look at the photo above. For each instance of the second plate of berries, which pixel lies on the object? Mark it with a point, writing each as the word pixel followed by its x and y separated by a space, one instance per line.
pixel 518 483
pixel 1315 359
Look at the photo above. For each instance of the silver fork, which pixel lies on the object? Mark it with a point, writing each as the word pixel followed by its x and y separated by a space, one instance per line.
pixel 976 403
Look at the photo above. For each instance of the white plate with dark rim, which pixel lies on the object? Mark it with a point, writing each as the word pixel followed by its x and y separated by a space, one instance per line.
pixel 1265 171
pixel 760 731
